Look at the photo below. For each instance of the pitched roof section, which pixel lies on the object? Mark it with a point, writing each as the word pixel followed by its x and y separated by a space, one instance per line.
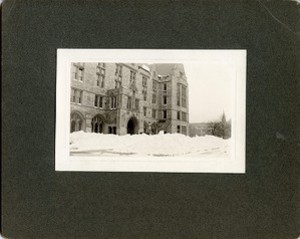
pixel 166 69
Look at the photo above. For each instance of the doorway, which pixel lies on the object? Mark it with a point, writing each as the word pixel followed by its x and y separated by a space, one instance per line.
pixel 132 126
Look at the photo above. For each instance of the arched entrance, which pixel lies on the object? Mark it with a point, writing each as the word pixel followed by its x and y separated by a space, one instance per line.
pixel 97 124
pixel 76 122
pixel 132 126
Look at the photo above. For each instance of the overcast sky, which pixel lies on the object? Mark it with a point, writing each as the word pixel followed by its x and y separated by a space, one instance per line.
pixel 210 85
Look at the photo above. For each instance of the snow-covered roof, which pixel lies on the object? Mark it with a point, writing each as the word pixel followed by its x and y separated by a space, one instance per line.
pixel 145 67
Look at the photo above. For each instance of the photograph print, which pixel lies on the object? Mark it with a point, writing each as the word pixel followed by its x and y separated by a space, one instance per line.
pixel 151 110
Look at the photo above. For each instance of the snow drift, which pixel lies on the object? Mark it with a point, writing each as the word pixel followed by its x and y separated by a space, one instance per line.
pixel 92 144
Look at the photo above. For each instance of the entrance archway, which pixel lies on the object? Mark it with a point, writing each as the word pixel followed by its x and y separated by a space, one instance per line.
pixel 97 124
pixel 76 122
pixel 132 126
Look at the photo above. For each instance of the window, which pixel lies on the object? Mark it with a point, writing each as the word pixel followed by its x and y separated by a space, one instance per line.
pixel 178 115
pixel 113 102
pixel 145 95
pixel 112 129
pixel 154 86
pixel 118 76
pixel 117 84
pixel 144 81
pixel 154 114
pixel 183 116
pixel 154 99
pixel 145 111
pixel 100 64
pixel 178 94
pixel 100 81
pixel 119 69
pixel 76 95
pixel 72 95
pixel 178 128
pixel 144 84
pixel 100 75
pixel 136 104
pixel 183 96
pixel 97 124
pixel 154 89
pixel 98 101
pixel 132 76
pixel 100 71
pixel 80 74
pixel 128 102
pixel 164 114
pixel 165 99
pixel 165 87
pixel 78 71
pixel 79 95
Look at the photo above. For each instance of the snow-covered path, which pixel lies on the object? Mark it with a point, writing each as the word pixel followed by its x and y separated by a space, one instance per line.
pixel 92 144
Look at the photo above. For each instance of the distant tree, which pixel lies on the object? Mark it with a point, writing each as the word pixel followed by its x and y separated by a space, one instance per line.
pixel 222 125
pixel 213 128
pixel 221 128
pixel 227 130
pixel 223 119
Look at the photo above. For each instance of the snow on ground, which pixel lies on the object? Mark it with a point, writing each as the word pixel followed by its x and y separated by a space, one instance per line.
pixel 92 144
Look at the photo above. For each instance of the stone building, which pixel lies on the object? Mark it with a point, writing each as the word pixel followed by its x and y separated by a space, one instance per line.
pixel 124 98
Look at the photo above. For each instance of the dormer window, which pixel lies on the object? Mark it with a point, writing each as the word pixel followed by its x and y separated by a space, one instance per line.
pixel 101 65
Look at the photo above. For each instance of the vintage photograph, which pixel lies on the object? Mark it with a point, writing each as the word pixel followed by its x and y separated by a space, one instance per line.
pixel 152 109
pixel 120 109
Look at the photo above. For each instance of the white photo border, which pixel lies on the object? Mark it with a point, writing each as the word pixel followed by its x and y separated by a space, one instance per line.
pixel 236 59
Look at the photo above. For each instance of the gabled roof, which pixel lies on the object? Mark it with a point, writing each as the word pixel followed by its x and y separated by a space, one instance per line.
pixel 166 69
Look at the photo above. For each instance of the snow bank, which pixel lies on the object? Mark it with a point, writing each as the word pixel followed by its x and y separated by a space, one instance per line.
pixel 85 144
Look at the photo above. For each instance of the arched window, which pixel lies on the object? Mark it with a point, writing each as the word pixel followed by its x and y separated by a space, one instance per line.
pixel 76 122
pixel 97 124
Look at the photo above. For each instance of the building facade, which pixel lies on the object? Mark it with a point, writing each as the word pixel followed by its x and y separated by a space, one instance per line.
pixel 124 98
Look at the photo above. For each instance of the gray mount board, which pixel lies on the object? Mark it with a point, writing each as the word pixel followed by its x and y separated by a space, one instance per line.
pixel 38 202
